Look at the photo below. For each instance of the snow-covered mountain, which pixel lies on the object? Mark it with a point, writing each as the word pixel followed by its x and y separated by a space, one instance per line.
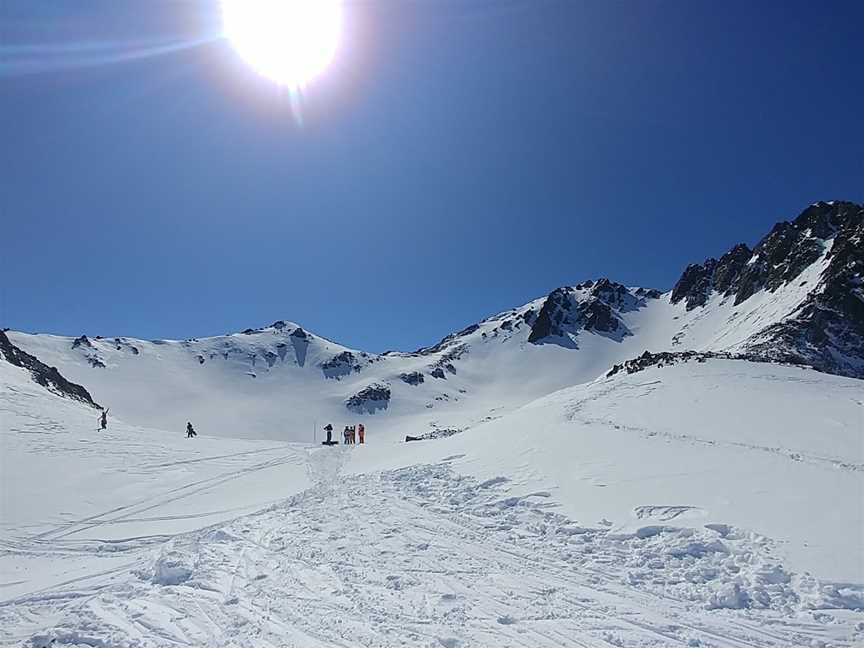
pixel 795 297
pixel 606 465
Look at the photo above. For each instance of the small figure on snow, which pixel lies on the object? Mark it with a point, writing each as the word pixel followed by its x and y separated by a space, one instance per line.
pixel 103 420
pixel 352 435
pixel 329 430
pixel 361 432
pixel 190 431
pixel 346 434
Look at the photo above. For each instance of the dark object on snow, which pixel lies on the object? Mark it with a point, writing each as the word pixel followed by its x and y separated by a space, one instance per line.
pixel 412 378
pixel 370 399
pixel 103 420
pixel 42 374
pixel 190 431
pixel 329 430
pixel 437 433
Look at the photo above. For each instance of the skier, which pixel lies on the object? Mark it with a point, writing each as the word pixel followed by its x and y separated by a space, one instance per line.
pixel 329 430
pixel 361 432
pixel 103 420
pixel 190 431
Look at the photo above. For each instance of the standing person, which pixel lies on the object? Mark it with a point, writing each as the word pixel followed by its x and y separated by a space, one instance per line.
pixel 345 434
pixel 190 431
pixel 329 430
pixel 103 420
pixel 361 432
pixel 353 435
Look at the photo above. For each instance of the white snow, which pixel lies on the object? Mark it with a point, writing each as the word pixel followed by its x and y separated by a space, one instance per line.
pixel 713 503
pixel 636 510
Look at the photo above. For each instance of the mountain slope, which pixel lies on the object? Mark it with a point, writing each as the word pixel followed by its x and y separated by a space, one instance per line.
pixel 639 510
pixel 796 297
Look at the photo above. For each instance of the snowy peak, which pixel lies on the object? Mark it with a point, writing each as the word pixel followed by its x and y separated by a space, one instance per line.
pixel 589 306
pixel 41 373
pixel 823 326
pixel 780 257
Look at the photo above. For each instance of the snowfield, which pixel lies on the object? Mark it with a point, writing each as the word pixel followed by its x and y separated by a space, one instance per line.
pixel 637 510
pixel 695 495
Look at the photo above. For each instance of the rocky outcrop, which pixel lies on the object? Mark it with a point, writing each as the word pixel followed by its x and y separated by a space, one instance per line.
pixel 90 352
pixel 783 254
pixel 413 378
pixel 299 333
pixel 370 400
pixel 668 358
pixel 447 341
pixel 340 365
pixel 590 306
pixel 42 374
pixel 826 330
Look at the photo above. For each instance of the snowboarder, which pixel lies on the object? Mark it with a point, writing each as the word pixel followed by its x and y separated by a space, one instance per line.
pixel 190 431
pixel 361 432
pixel 103 420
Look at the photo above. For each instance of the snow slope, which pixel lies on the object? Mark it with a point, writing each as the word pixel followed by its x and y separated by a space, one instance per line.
pixel 69 493
pixel 698 501
pixel 268 383
pixel 637 510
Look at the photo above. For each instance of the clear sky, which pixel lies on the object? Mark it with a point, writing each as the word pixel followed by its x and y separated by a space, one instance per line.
pixel 459 157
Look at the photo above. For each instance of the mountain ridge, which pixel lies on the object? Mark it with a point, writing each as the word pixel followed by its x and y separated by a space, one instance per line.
pixel 793 298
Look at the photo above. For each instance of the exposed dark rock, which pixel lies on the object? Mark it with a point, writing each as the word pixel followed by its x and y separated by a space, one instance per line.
pixel 777 259
pixel 370 399
pixel 826 331
pixel 412 378
pixel 555 311
pixel 567 311
pixel 694 284
pixel 299 333
pixel 340 365
pixel 599 317
pixel 437 433
pixel 668 358
pixel 82 341
pixel 250 331
pixel 438 372
pixel 278 325
pixel 445 342
pixel 42 374
pixel 648 293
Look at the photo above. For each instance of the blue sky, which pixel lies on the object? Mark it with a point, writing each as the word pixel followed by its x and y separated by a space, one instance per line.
pixel 457 159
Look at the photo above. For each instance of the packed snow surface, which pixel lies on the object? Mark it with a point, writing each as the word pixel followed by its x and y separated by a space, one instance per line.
pixel 638 510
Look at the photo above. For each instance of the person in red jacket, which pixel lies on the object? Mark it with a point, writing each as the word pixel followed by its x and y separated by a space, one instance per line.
pixel 361 432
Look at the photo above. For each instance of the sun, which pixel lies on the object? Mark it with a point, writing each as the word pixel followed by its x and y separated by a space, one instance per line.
pixel 288 41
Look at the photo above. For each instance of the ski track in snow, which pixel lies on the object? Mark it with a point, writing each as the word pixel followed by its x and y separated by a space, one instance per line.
pixel 422 556
pixel 575 413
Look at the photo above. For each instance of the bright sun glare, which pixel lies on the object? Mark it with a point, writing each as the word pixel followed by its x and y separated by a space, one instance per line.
pixel 287 41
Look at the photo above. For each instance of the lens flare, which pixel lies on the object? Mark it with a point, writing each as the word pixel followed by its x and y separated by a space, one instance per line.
pixel 287 41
